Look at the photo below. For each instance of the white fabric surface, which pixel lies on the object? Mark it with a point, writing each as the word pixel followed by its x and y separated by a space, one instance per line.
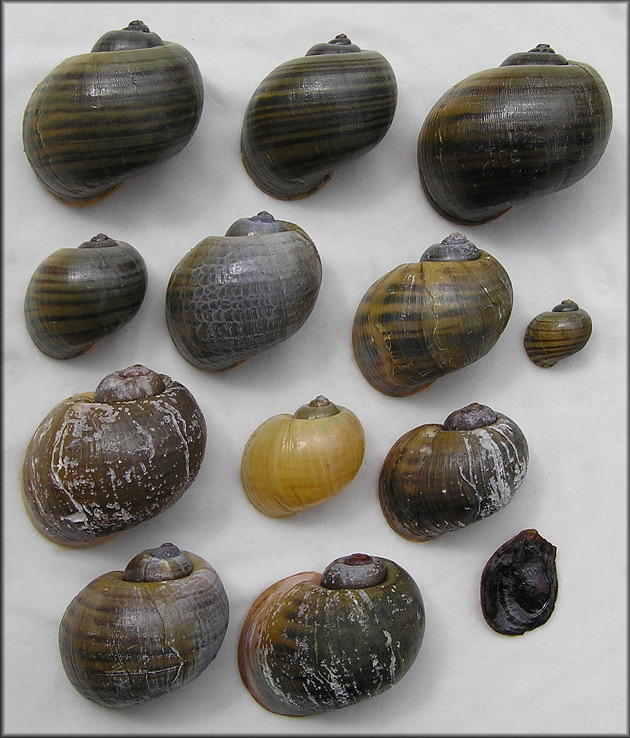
pixel 566 677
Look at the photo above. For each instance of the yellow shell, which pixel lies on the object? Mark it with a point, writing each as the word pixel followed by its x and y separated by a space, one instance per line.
pixel 295 461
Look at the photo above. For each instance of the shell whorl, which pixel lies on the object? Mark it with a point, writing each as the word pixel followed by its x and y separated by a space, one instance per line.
pixel 306 647
pixel 440 478
pixel 315 113
pixel 557 334
pixel 129 637
pixel 93 469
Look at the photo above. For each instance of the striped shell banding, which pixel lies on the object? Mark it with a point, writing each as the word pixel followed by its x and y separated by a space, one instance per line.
pixel 132 636
pixel 557 334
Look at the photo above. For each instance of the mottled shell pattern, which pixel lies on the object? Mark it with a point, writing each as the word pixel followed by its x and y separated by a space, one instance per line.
pixel 132 636
pixel 440 478
pixel 104 461
pixel 295 461
pixel 233 296
pixel 316 642
pixel 100 118
pixel 530 127
pixel 423 320
pixel 78 296
pixel 519 584
pixel 557 334
pixel 315 113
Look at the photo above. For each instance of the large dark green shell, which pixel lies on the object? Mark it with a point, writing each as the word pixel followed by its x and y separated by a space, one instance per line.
pixel 101 118
pixel 93 469
pixel 78 296
pixel 557 334
pixel 423 320
pixel 434 481
pixel 305 649
pixel 126 642
pixel 232 297
pixel 313 114
pixel 535 125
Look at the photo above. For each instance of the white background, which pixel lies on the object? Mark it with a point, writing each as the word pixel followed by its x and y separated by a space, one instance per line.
pixel 568 676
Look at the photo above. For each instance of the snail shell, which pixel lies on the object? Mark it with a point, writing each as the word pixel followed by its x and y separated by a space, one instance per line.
pixel 423 320
pixel 78 296
pixel 313 114
pixel 557 333
pixel 104 461
pixel 519 584
pixel 316 642
pixel 100 118
pixel 233 296
pixel 535 125
pixel 295 461
pixel 129 637
pixel 439 478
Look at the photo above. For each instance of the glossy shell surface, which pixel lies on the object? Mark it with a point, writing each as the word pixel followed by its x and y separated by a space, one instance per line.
pixel 315 113
pixel 530 127
pixel 233 296
pixel 295 461
pixel 123 642
pixel 519 584
pixel 306 648
pixel 436 479
pixel 557 334
pixel 423 320
pixel 102 117
pixel 78 296
pixel 95 467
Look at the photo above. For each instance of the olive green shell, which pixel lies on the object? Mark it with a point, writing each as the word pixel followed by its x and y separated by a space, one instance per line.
pixel 305 648
pixel 423 320
pixel 94 468
pixel 435 479
pixel 535 125
pixel 315 113
pixel 558 333
pixel 233 296
pixel 100 118
pixel 126 641
pixel 78 296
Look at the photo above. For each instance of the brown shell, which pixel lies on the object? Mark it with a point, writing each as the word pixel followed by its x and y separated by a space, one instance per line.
pixel 557 334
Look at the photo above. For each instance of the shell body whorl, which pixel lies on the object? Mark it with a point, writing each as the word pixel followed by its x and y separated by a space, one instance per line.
pixel 558 333
pixel 94 468
pixel 437 478
pixel 532 126
pixel 519 584
pixel 423 320
pixel 306 648
pixel 123 642
pixel 295 461
pixel 103 117
pixel 233 296
pixel 78 296
pixel 315 113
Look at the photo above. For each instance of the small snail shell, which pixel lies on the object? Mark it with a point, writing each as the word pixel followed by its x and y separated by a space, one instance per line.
pixel 439 478
pixel 423 320
pixel 233 296
pixel 533 126
pixel 316 642
pixel 557 333
pixel 100 118
pixel 313 114
pixel 129 637
pixel 102 462
pixel 78 296
pixel 295 461
pixel 519 584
